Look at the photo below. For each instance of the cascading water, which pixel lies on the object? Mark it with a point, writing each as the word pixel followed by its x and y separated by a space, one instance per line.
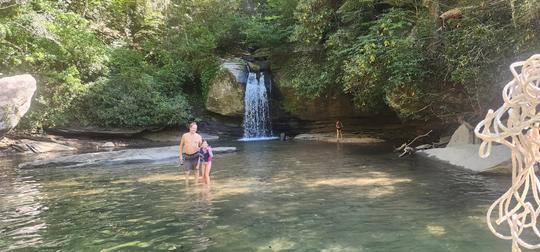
pixel 257 124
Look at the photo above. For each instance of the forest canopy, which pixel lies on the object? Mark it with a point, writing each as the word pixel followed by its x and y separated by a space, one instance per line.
pixel 125 63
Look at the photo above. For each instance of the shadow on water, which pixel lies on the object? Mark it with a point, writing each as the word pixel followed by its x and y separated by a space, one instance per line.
pixel 269 196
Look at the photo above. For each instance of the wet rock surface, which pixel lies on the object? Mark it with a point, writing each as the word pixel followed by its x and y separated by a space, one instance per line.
pixel 167 154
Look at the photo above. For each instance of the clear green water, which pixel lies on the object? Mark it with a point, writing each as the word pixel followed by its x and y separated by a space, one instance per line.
pixel 269 196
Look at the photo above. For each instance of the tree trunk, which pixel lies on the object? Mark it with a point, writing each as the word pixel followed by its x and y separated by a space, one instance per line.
pixel 433 10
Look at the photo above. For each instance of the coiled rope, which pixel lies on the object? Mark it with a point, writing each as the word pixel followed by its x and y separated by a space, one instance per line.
pixel 515 125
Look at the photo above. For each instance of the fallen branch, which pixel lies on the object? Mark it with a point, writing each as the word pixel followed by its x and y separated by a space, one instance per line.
pixel 406 148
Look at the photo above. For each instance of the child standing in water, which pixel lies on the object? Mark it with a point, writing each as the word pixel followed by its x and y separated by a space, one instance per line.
pixel 206 156
pixel 339 131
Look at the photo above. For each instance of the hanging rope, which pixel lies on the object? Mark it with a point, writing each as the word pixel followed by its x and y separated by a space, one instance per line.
pixel 516 125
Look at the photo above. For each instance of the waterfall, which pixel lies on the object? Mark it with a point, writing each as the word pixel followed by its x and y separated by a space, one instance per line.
pixel 257 124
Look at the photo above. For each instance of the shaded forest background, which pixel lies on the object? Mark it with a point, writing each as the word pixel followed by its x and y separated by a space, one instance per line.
pixel 139 63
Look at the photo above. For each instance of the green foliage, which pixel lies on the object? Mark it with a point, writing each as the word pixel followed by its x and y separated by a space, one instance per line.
pixel 477 49
pixel 133 96
pixel 141 63
pixel 209 72
pixel 314 21
pixel 398 54
pixel 309 77
pixel 58 48
pixel 256 32
pixel 269 27
pixel 384 64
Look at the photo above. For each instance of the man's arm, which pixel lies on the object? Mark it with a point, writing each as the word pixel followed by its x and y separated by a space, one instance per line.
pixel 181 149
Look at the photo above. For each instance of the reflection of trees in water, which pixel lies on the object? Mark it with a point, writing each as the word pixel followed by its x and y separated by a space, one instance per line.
pixel 20 208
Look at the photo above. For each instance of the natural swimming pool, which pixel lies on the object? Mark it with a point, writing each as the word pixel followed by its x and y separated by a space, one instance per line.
pixel 268 196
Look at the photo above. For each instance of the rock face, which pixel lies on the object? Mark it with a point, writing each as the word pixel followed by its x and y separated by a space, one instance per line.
pixel 15 96
pixel 463 135
pixel 237 67
pixel 333 104
pixel 227 89
pixel 167 154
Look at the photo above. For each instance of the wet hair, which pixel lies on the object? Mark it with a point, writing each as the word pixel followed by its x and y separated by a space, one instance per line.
pixel 203 140
pixel 191 124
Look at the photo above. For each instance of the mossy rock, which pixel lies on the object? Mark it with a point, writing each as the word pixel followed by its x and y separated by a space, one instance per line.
pixel 226 95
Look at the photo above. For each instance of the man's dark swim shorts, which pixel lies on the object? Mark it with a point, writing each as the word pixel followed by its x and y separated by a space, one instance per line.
pixel 191 161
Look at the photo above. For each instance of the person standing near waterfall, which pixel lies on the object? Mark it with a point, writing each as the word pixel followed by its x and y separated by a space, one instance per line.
pixel 189 151
pixel 339 131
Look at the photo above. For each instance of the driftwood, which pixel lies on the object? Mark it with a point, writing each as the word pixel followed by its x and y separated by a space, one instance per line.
pixel 406 148
pixel 423 147
pixel 441 142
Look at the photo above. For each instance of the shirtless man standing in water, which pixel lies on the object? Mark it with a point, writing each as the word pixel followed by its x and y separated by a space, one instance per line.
pixel 189 151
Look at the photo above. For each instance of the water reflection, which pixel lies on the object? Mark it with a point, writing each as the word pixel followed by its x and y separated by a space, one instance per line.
pixel 20 209
pixel 271 196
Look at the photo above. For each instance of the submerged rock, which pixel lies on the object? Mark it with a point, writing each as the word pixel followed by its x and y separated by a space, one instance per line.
pixel 107 145
pixel 26 145
pixel 15 97
pixel 167 154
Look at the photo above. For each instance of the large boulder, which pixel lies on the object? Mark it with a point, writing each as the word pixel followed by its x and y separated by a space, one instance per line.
pixel 237 67
pixel 466 156
pixel 15 96
pixel 462 135
pixel 227 89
